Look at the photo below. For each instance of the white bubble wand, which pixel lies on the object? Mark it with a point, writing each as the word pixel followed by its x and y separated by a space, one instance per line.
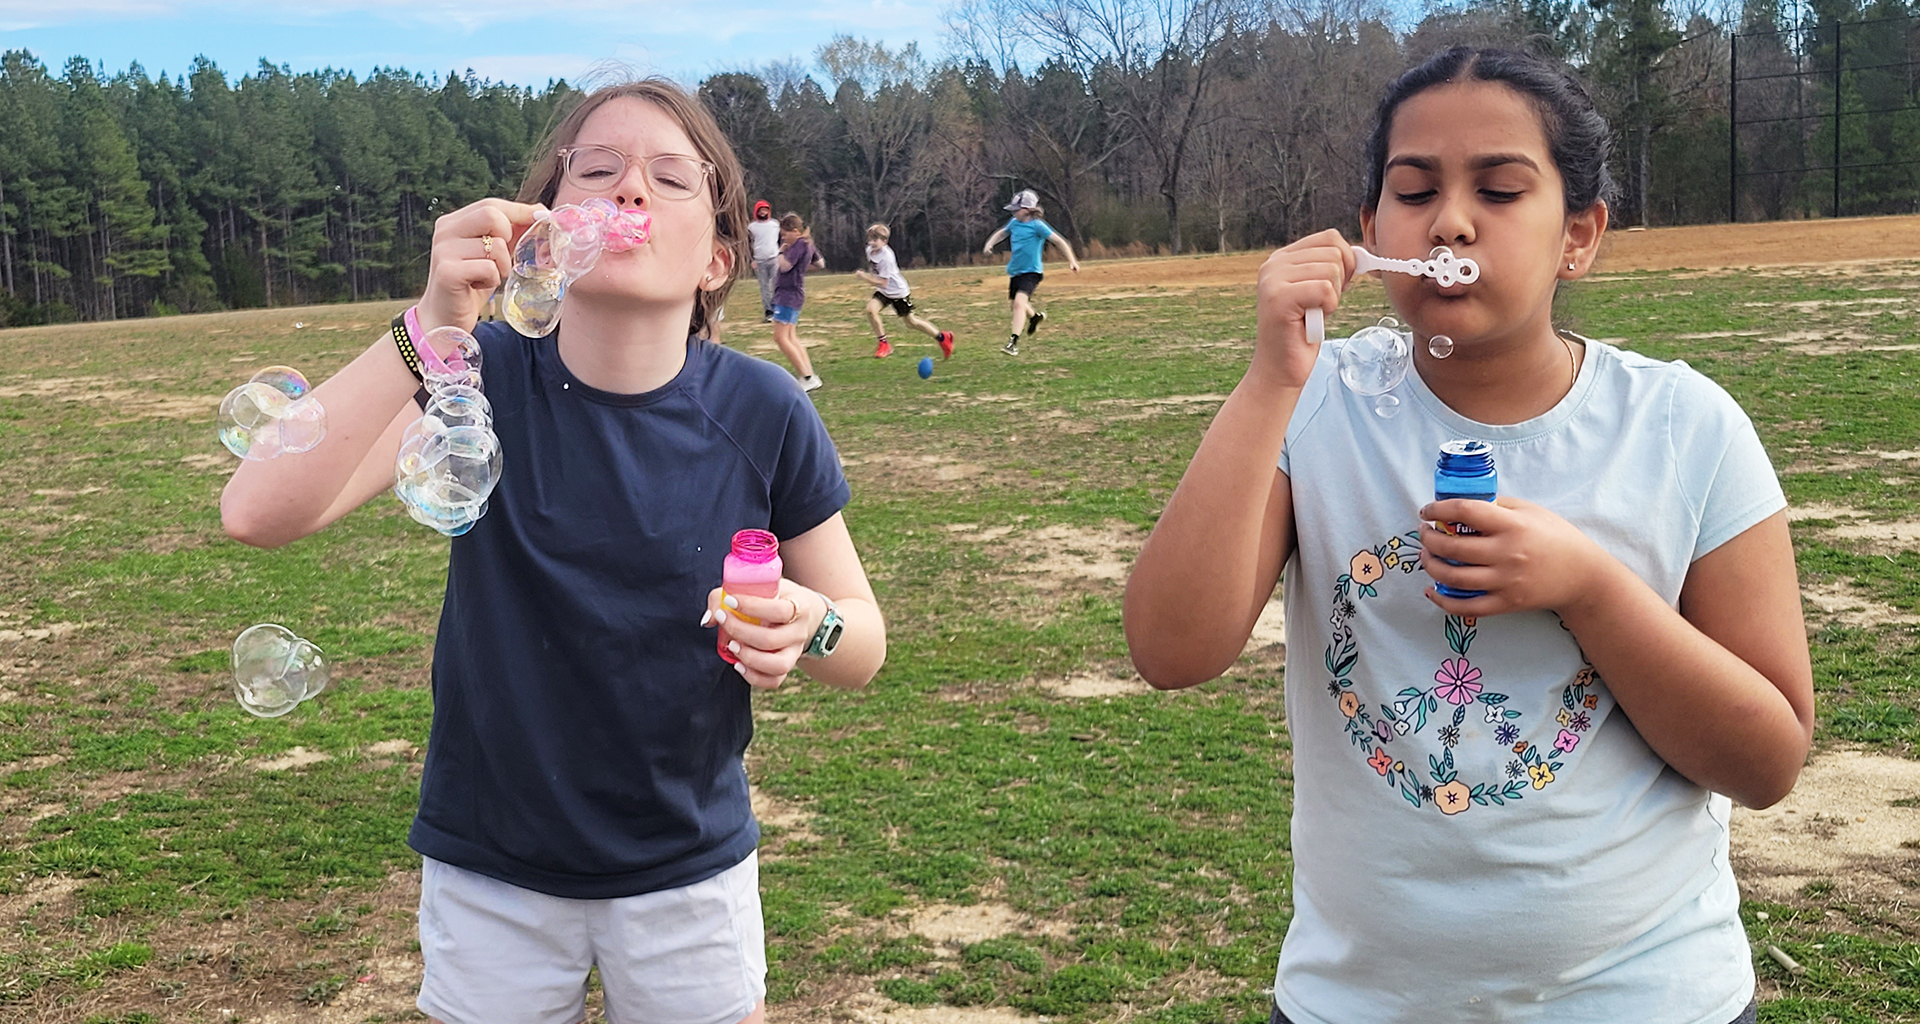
pixel 1441 264
pixel 1375 360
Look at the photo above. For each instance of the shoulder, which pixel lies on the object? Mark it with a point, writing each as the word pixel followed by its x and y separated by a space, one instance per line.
pixel 731 382
pixel 1690 399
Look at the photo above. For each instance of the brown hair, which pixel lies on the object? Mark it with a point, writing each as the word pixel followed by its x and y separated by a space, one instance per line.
pixel 792 222
pixel 879 231
pixel 728 189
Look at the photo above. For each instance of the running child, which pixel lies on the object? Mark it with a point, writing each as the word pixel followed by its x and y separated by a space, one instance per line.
pixel 1027 234
pixel 883 272
pixel 1510 807
pixel 584 803
pixel 797 256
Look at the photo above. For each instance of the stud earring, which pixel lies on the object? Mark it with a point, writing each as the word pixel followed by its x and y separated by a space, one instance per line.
pixel 1570 265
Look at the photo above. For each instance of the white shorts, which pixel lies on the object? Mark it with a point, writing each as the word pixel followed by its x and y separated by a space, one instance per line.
pixel 500 954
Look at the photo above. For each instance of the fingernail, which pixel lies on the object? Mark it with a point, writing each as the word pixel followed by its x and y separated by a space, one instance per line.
pixel 742 669
pixel 719 616
pixel 706 617
pixel 729 601
pixel 734 646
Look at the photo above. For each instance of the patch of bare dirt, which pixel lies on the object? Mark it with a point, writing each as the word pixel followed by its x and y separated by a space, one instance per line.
pixel 910 471
pixel 1055 558
pixel 1095 685
pixel 1888 538
pixel 952 925
pixel 792 821
pixel 873 1008
pixel 1822 510
pixel 298 757
pixel 50 631
pixel 1171 405
pixel 1852 820
pixel 121 401
pixel 1844 603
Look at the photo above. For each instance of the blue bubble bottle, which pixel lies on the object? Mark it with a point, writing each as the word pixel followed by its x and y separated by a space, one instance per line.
pixel 1465 470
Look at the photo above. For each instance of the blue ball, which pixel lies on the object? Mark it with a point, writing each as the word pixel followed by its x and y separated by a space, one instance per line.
pixel 926 367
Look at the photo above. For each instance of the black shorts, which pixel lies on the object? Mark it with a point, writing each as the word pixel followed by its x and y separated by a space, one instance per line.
pixel 1022 283
pixel 902 305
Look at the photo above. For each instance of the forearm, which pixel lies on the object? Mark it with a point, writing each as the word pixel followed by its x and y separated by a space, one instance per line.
pixel 1709 714
pixel 273 502
pixel 1211 562
pixel 862 650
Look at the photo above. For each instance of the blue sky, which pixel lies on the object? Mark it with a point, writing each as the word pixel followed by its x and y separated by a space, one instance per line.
pixel 526 42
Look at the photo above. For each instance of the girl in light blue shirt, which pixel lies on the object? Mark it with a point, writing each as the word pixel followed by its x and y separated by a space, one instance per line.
pixel 1511 807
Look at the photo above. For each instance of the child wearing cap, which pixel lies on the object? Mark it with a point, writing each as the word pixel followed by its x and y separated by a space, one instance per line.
pixel 1027 233
pixel 890 289
pixel 763 232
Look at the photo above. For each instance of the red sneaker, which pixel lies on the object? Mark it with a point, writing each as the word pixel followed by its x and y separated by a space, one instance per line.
pixel 946 344
pixel 883 350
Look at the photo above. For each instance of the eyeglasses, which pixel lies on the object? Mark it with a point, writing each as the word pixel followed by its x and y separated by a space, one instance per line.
pixel 599 168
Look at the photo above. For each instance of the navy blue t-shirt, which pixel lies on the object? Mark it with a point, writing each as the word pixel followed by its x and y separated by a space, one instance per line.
pixel 587 738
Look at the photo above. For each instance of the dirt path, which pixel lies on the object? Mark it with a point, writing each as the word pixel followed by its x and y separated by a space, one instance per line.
pixel 1700 247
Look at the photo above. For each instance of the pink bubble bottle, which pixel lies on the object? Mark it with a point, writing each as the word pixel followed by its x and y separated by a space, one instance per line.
pixel 752 568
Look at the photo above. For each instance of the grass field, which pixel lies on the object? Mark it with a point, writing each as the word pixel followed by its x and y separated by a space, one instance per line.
pixel 1007 825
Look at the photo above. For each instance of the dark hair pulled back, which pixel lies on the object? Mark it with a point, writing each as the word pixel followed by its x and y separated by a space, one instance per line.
pixel 1577 136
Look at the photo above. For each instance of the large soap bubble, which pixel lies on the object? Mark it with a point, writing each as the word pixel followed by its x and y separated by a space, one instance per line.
pixel 1374 361
pixel 272 414
pixel 460 366
pixel 560 248
pixel 450 458
pixel 274 670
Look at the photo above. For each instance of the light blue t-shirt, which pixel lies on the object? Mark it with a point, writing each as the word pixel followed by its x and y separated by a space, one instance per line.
pixel 1026 238
pixel 1479 833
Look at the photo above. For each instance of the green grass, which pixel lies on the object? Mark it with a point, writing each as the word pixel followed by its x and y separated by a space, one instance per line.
pixel 1144 836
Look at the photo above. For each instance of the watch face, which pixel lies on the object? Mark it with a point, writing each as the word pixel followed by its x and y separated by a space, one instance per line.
pixel 833 638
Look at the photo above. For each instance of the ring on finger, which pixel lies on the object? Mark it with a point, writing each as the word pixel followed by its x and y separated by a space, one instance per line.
pixel 795 617
pixel 486 244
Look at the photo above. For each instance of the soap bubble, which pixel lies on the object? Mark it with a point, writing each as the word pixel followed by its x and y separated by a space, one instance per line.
pixel 303 426
pixel 271 415
pixel 458 405
pixel 1386 406
pixel 284 379
pixel 560 248
pixel 462 361
pixel 250 421
pixel 274 670
pixel 444 472
pixel 1374 361
pixel 1440 346
pixel 532 304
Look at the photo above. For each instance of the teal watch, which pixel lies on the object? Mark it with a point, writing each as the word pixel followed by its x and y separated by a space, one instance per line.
pixel 826 639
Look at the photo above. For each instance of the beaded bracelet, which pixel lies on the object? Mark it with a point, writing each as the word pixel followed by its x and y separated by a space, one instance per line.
pixel 403 340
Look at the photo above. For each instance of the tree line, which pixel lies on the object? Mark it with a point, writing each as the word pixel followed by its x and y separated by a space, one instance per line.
pixel 1144 125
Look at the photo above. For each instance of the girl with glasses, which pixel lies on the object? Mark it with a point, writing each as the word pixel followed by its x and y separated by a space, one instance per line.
pixel 584 803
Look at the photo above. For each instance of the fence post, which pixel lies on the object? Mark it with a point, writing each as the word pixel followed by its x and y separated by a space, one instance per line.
pixel 1733 127
pixel 1836 117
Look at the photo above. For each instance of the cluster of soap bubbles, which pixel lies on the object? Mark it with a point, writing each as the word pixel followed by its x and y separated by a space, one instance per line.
pixel 560 247
pixel 274 670
pixel 449 458
pixel 271 415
